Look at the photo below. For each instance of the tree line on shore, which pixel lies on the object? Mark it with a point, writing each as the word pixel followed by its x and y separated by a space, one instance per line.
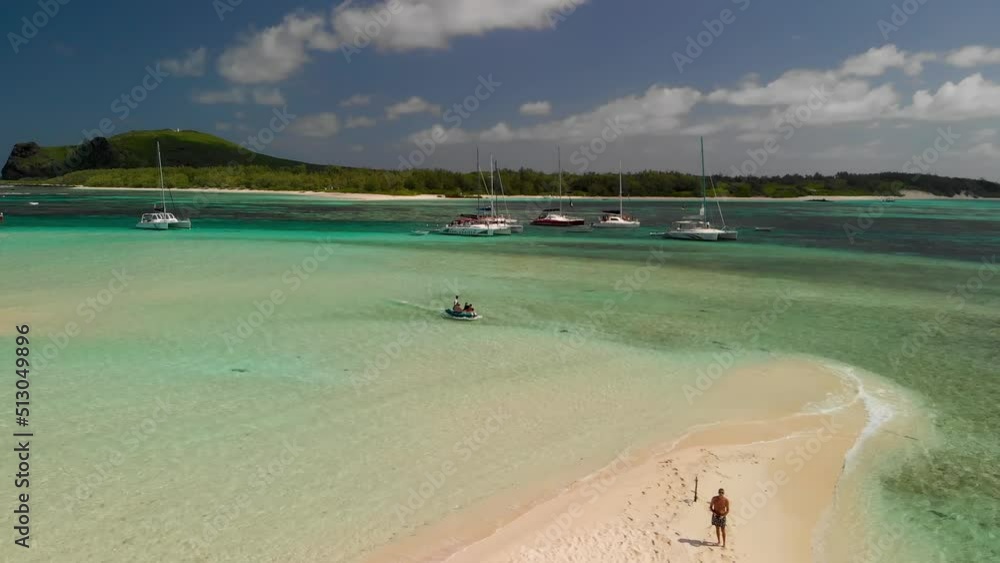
pixel 199 160
pixel 521 181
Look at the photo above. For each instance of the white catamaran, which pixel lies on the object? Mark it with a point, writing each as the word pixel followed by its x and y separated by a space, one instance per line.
pixel 728 233
pixel 161 219
pixel 484 222
pixel 698 227
pixel 504 219
pixel 617 219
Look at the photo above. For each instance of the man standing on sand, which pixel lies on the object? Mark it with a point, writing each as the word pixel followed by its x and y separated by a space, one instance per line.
pixel 720 508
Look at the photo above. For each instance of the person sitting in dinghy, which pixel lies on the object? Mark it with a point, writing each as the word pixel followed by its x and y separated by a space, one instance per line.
pixel 469 309
pixel 456 306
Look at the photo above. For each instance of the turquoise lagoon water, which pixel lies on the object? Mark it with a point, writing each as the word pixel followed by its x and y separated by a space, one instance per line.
pixel 275 385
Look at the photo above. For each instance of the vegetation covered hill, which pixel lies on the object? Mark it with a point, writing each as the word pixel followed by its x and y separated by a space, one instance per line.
pixel 194 160
pixel 135 149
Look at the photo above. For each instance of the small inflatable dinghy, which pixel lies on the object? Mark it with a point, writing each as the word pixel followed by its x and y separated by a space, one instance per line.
pixel 461 316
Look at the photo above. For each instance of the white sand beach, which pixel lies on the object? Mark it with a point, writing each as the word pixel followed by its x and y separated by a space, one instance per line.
pixel 346 196
pixel 780 471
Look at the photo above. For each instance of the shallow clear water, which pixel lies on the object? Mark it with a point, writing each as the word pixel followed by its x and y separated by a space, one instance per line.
pixel 275 384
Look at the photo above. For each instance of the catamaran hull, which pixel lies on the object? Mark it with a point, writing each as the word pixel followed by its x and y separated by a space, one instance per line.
pixel 478 231
pixel 729 235
pixel 686 235
pixel 152 226
pixel 499 227
pixel 632 225
pixel 180 224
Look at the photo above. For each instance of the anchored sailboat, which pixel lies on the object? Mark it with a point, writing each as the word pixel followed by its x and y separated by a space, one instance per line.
pixel 617 219
pixel 484 222
pixel 161 219
pixel 554 217
pixel 727 232
pixel 503 219
pixel 698 227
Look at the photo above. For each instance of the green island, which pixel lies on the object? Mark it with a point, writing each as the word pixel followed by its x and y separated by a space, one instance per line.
pixel 199 160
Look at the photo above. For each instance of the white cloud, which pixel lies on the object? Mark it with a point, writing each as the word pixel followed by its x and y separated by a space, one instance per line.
pixel 499 133
pixel 874 62
pixel 536 108
pixel 223 126
pixel 755 136
pixel 820 97
pixel 316 125
pixel 415 104
pixel 974 55
pixel 853 98
pixel 432 24
pixel 798 97
pixel 277 52
pixel 792 87
pixel 268 97
pixel 973 97
pixel 357 100
pixel 867 150
pixel 813 98
pixel 982 135
pixel 915 63
pixel 705 129
pixel 863 106
pixel 439 135
pixel 657 111
pixel 877 60
pixel 985 150
pixel 358 122
pixel 230 96
pixel 872 104
pixel 238 95
pixel 193 64
pixel 834 96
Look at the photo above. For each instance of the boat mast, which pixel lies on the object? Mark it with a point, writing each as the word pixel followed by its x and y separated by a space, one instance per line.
pixel 702 139
pixel 621 210
pixel 503 196
pixel 492 185
pixel 493 204
pixel 479 171
pixel 496 209
pixel 159 163
pixel 715 196
pixel 559 158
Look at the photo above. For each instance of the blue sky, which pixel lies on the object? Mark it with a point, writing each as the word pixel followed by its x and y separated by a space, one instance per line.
pixel 601 77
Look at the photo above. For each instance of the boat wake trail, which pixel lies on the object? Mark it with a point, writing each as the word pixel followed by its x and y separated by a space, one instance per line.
pixel 419 306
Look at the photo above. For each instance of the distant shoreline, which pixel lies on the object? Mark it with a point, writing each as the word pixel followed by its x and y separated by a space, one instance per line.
pixel 347 196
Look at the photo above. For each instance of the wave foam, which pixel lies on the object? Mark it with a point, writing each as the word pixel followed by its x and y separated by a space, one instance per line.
pixel 880 412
